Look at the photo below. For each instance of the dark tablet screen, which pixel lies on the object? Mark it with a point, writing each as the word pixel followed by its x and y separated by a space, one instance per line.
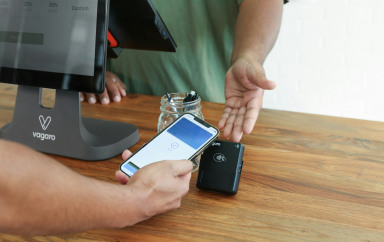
pixel 136 24
pixel 57 44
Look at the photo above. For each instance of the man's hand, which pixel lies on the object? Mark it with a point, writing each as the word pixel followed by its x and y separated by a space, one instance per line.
pixel 120 176
pixel 257 27
pixel 245 82
pixel 158 187
pixel 114 90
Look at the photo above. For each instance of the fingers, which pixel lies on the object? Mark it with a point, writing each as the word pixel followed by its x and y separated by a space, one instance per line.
pixel 181 170
pixel 224 118
pixel 122 88
pixel 237 130
pixel 251 116
pixel 115 87
pixel 234 124
pixel 91 98
pixel 182 167
pixel 104 98
pixel 185 180
pixel 113 91
pixel 126 154
pixel 121 177
pixel 160 186
pixel 230 122
pixel 238 121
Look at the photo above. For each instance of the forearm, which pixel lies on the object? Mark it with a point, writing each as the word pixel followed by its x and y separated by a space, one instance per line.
pixel 38 195
pixel 257 28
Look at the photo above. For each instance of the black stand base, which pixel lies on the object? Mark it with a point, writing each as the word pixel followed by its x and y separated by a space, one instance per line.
pixel 62 131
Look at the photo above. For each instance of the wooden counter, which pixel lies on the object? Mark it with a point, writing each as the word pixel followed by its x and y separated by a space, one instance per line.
pixel 305 177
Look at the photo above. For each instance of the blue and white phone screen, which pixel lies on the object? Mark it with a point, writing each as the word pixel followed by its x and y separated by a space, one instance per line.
pixel 181 141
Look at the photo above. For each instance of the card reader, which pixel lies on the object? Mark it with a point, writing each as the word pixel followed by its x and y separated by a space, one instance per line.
pixel 220 167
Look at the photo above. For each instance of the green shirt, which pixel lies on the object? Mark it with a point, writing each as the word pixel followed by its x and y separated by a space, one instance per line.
pixel 204 33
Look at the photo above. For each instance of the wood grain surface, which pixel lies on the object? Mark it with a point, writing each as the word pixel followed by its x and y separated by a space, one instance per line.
pixel 305 177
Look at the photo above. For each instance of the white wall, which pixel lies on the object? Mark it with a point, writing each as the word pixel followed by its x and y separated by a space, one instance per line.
pixel 329 59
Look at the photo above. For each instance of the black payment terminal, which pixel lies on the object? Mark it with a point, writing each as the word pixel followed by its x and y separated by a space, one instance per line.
pixel 220 167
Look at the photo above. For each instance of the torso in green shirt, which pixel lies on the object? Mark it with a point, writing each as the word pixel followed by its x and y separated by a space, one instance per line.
pixel 203 31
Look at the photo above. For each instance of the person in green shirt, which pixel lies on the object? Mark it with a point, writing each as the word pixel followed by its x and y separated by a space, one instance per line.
pixel 222 45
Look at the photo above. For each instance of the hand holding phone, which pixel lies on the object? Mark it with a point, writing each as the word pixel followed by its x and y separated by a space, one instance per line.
pixel 185 138
pixel 171 180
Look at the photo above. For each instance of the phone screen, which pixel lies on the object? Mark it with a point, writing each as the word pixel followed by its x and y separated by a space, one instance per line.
pixel 183 139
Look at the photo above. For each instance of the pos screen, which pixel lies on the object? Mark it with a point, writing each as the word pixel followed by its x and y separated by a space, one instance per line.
pixel 57 44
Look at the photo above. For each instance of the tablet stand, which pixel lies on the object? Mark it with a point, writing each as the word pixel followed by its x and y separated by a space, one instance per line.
pixel 62 131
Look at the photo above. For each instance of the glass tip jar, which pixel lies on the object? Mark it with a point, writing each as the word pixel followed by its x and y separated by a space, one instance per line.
pixel 173 106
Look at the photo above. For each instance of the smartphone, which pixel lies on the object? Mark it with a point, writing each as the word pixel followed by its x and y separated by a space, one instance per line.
pixel 185 138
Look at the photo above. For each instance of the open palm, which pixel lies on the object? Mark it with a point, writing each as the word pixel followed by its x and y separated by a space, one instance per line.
pixel 245 82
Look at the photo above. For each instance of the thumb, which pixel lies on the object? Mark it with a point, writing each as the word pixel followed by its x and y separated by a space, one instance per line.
pixel 256 74
pixel 121 177
pixel 265 84
pixel 182 167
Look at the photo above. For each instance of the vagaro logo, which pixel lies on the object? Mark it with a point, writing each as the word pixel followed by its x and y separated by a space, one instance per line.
pixel 44 122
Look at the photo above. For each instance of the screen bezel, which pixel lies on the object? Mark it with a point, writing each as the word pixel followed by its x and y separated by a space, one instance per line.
pixel 69 82
pixel 207 143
